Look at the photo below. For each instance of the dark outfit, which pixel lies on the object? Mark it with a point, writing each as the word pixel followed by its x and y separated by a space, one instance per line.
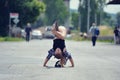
pixel 116 32
pixel 58 43
pixel 28 30
pixel 94 38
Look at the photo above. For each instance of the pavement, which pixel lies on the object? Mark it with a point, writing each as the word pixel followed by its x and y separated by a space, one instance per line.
pixel 24 61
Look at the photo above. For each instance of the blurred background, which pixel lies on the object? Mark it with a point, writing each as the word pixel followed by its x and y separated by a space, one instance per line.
pixel 76 15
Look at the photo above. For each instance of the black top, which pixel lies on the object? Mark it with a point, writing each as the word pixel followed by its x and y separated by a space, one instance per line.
pixel 28 30
pixel 116 32
pixel 58 43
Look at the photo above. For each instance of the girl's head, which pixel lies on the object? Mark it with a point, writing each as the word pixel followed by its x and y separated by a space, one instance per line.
pixel 58 53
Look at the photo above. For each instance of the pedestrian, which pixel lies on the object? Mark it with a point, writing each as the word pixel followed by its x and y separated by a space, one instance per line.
pixel 119 33
pixel 95 33
pixel 116 35
pixel 59 48
pixel 28 31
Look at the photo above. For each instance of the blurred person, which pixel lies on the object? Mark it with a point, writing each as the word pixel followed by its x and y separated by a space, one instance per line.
pixel 95 32
pixel 119 33
pixel 28 31
pixel 116 35
pixel 59 48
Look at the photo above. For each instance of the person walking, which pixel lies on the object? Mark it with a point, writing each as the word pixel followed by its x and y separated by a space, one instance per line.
pixel 28 31
pixel 116 35
pixel 94 32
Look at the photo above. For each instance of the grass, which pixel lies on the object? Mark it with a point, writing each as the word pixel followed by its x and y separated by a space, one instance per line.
pixel 2 39
pixel 78 38
pixel 104 31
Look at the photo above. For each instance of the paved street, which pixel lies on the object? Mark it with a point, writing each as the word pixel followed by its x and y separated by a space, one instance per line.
pixel 24 60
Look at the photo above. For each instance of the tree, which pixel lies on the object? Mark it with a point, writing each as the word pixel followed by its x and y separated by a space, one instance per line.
pixel 118 18
pixel 96 12
pixel 29 11
pixel 101 13
pixel 55 10
pixel 83 13
pixel 75 21
pixel 4 17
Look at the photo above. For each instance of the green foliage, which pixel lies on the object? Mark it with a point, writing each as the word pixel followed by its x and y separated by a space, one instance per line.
pixel 118 18
pixel 29 10
pixel 83 15
pixel 4 17
pixel 10 39
pixel 75 21
pixel 2 39
pixel 107 40
pixel 55 10
pixel 96 13
pixel 106 20
pixel 106 31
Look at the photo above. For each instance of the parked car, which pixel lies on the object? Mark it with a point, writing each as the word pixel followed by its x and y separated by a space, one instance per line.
pixel 36 34
pixel 48 34
pixel 23 33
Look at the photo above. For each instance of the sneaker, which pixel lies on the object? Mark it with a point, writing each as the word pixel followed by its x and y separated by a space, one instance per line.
pixel 57 64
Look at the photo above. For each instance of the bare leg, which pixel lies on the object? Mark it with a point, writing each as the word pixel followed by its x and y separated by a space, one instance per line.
pixel 72 63
pixel 71 60
pixel 46 60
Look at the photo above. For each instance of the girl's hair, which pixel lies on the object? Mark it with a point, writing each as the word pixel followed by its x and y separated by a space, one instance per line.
pixel 56 25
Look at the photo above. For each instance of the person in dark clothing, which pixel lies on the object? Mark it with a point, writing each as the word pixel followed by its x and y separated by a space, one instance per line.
pixel 59 49
pixel 59 43
pixel 116 35
pixel 28 31
pixel 59 52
